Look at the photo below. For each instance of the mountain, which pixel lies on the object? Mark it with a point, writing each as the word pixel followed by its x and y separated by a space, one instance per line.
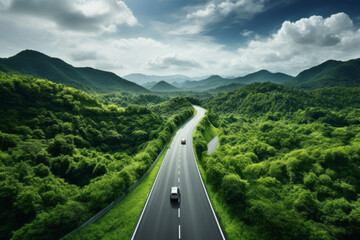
pixel 228 87
pixel 263 76
pixel 56 70
pixel 216 81
pixel 149 85
pixel 163 86
pixel 205 84
pixel 328 74
pixel 259 98
pixel 140 78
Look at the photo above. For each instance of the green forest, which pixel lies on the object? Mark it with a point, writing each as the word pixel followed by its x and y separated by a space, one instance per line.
pixel 65 154
pixel 288 161
pixel 287 165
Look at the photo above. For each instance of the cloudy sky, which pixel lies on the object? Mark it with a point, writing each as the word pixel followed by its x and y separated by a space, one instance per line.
pixel 190 37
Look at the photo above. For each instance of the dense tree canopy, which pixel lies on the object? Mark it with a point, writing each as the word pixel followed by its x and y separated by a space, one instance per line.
pixel 64 155
pixel 288 162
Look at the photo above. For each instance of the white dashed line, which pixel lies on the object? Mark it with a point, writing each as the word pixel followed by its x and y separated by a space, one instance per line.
pixel 178 180
pixel 179 212
pixel 179 232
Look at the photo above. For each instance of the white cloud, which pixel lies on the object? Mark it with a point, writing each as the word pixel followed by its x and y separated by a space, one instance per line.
pixel 84 55
pixel 200 18
pixel 172 62
pixel 294 47
pixel 301 44
pixel 75 15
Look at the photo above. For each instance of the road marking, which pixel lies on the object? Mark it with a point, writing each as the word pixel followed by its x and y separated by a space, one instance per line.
pixel 179 232
pixel 178 179
pixel 148 198
pixel 179 172
pixel 207 196
pixel 179 212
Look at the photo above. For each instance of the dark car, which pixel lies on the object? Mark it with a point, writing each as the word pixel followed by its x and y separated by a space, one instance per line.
pixel 183 141
pixel 175 193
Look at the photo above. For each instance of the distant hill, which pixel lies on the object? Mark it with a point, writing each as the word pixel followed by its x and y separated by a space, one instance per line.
pixel 263 76
pixel 215 81
pixel 328 74
pixel 163 86
pixel 228 87
pixel 141 79
pixel 149 85
pixel 88 79
pixel 205 84
pixel 259 98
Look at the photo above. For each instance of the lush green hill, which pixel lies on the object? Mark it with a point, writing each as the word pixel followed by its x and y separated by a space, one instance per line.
pixel 149 85
pixel 214 82
pixel 163 86
pixel 64 155
pixel 287 164
pixel 328 74
pixel 125 99
pixel 262 76
pixel 259 98
pixel 229 87
pixel 87 79
pixel 205 84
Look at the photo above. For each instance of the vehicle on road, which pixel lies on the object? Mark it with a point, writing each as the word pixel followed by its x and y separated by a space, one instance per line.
pixel 183 141
pixel 175 193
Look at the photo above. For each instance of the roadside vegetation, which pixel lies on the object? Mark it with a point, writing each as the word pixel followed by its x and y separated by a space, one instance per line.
pixel 119 223
pixel 64 156
pixel 287 164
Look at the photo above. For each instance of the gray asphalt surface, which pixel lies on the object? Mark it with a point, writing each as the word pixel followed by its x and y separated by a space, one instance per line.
pixel 191 218
pixel 212 145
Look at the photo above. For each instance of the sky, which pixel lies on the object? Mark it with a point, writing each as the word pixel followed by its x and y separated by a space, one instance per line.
pixel 188 37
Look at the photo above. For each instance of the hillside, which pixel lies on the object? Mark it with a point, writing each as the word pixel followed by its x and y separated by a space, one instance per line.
pixel 214 82
pixel 287 164
pixel 257 98
pixel 87 79
pixel 228 87
pixel 262 76
pixel 328 74
pixel 163 86
pixel 149 85
pixel 205 84
pixel 64 155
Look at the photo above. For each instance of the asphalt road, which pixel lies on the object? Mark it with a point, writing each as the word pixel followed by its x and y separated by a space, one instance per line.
pixel 191 218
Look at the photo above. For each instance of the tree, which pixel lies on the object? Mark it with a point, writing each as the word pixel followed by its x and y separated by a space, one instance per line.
pixel 234 190
pixel 60 146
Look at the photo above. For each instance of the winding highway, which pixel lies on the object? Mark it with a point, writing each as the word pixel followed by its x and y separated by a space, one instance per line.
pixel 193 217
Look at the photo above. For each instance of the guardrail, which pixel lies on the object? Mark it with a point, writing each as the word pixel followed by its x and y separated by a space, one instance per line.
pixel 119 199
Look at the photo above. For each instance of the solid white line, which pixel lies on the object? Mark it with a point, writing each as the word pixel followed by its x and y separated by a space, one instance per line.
pixel 179 212
pixel 147 200
pixel 179 232
pixel 207 196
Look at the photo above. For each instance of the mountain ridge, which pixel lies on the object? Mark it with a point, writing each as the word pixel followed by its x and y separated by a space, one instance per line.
pixel 330 73
pixel 56 70
pixel 163 86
